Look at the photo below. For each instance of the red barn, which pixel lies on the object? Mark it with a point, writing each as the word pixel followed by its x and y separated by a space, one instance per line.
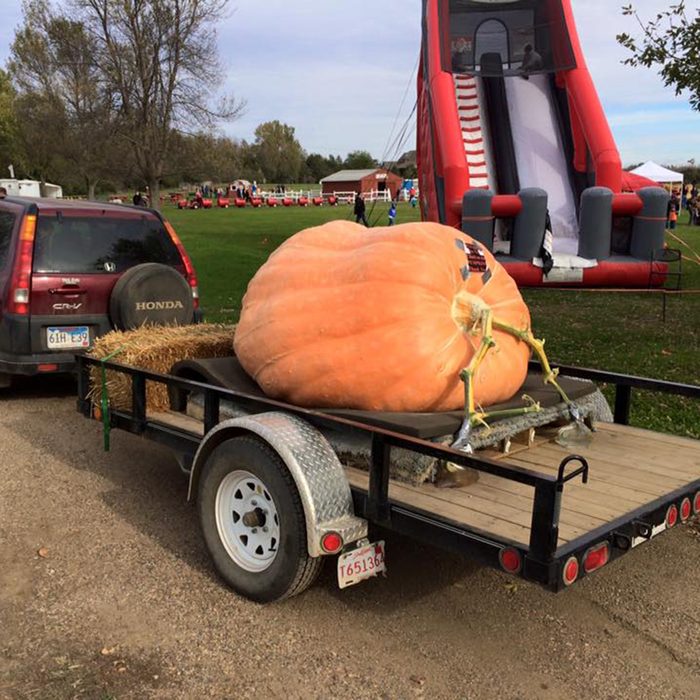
pixel 363 181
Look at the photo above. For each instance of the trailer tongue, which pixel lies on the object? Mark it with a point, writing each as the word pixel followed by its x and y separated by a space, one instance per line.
pixel 276 494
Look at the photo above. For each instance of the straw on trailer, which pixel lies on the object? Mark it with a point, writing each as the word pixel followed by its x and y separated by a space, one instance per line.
pixel 154 348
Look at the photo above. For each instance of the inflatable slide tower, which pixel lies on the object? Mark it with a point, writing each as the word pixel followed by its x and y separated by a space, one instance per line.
pixel 513 145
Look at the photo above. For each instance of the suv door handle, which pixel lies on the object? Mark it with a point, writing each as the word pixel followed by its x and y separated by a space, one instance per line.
pixel 70 291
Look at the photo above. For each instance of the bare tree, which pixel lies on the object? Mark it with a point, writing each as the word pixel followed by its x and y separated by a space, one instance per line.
pixel 160 59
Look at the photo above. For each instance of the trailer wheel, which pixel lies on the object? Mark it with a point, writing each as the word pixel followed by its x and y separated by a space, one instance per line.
pixel 253 521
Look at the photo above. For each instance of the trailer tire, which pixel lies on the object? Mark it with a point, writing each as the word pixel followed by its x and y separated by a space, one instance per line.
pixel 235 471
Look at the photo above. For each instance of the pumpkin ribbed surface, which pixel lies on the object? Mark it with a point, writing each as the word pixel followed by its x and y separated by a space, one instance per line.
pixel 380 319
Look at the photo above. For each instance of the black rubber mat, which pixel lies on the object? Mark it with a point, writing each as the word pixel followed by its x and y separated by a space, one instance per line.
pixel 227 372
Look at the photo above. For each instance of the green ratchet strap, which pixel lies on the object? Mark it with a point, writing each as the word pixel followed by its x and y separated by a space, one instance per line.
pixel 104 398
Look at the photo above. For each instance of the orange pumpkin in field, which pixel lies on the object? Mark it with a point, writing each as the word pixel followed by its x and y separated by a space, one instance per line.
pixel 380 319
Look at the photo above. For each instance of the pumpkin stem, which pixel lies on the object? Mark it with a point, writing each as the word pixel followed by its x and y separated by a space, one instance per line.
pixel 537 346
pixel 470 312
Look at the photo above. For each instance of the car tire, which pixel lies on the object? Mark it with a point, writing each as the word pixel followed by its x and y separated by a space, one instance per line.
pixel 151 294
pixel 241 477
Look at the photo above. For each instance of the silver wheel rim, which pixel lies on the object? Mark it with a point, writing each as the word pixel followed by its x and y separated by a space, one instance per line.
pixel 247 521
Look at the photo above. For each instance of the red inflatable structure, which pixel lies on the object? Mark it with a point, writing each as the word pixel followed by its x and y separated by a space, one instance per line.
pixel 513 143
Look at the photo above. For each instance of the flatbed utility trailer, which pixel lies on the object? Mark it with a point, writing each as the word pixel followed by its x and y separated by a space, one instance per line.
pixel 274 498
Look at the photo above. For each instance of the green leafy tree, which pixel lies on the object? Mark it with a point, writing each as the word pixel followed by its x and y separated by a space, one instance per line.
pixel 671 43
pixel 203 156
pixel 278 153
pixel 319 166
pixel 360 160
pixel 52 64
pixel 10 151
pixel 43 124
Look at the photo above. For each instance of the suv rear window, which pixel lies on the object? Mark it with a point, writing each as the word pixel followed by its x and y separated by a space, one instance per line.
pixel 100 244
pixel 7 224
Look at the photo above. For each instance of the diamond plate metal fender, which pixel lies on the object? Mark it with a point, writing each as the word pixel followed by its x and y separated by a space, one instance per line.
pixel 317 472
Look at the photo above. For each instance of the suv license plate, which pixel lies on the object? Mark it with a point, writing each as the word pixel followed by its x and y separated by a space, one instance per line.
pixel 67 337
pixel 360 564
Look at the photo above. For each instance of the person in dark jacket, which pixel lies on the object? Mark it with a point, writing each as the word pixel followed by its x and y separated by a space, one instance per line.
pixel 532 62
pixel 360 210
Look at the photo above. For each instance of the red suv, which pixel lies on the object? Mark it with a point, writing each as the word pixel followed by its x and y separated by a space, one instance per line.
pixel 71 271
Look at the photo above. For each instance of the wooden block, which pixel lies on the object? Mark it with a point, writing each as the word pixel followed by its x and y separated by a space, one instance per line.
pixel 452 476
pixel 527 437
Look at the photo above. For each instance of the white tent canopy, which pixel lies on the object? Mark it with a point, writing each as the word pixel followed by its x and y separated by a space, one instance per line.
pixel 658 173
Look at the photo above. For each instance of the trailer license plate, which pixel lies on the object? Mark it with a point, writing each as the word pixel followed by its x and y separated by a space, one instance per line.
pixel 67 337
pixel 360 564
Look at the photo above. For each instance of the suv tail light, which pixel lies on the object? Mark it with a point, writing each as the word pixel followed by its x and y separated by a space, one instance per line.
pixel 21 282
pixel 189 268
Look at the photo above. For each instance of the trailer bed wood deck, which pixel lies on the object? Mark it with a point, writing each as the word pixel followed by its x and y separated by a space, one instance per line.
pixel 629 468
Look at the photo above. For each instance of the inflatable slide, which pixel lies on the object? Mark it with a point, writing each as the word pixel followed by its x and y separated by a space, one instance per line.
pixel 514 148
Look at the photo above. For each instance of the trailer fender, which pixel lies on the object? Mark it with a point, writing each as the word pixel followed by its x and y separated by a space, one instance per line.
pixel 314 466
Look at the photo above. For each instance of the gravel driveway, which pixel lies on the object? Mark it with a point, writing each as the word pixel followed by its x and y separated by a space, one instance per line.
pixel 106 591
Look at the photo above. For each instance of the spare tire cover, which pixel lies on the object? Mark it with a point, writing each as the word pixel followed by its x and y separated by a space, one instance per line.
pixel 151 293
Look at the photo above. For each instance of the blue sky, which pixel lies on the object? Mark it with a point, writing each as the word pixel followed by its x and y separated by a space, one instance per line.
pixel 338 71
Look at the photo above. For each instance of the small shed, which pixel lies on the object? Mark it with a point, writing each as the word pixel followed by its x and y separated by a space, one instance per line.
pixel 362 181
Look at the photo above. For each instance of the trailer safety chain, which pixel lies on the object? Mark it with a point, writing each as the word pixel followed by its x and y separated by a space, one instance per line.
pixel 104 398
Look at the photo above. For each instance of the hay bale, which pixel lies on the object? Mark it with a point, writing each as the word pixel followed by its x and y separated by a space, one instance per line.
pixel 154 348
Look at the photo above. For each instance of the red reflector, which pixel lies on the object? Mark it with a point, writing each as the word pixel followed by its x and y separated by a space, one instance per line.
pixel 596 557
pixel 696 503
pixel 331 542
pixel 686 510
pixel 570 571
pixel 48 368
pixel 671 516
pixel 510 560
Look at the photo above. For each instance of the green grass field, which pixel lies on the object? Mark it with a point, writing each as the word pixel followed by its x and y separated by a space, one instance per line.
pixel 618 331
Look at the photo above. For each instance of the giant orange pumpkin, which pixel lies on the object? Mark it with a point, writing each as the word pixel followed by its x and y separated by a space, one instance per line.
pixel 380 319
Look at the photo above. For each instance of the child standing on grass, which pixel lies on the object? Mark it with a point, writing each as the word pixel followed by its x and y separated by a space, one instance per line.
pixel 673 218
pixel 392 213
pixel 672 213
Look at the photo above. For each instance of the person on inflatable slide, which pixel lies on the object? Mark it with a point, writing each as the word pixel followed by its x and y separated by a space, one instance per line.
pixel 532 62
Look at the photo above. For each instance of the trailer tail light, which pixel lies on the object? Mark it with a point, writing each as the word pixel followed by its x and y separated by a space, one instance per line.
pixel 570 573
pixel 671 516
pixel 686 510
pixel 696 503
pixel 21 281
pixel 510 560
pixel 331 543
pixel 189 268
pixel 47 368
pixel 596 557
